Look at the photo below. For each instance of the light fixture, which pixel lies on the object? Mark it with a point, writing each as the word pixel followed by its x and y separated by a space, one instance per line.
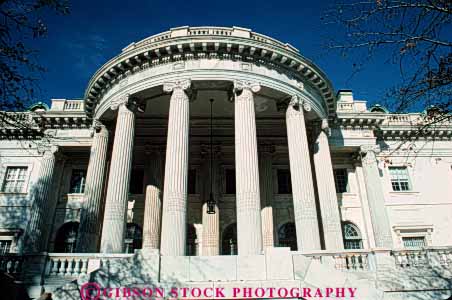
pixel 211 202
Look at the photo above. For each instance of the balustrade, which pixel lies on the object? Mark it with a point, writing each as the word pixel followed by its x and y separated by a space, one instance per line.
pixel 73 265
pixel 347 260
pixel 11 264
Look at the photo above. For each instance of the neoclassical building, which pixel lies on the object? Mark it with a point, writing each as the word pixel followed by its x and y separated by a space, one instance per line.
pixel 214 156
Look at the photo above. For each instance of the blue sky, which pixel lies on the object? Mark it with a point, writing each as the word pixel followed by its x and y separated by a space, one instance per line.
pixel 95 31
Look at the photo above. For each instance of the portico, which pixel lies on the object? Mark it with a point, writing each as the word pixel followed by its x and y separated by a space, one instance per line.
pixel 213 157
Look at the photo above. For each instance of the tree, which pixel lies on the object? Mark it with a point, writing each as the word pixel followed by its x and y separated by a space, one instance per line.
pixel 414 34
pixel 21 22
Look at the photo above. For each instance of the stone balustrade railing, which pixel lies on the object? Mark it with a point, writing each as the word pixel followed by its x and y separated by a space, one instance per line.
pixel 347 260
pixel 413 258
pixel 212 30
pixel 351 107
pixel 67 105
pixel 11 264
pixel 75 264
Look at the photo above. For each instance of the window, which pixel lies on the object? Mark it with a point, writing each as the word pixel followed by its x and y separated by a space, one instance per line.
pixel 352 236
pixel 66 238
pixel 287 236
pixel 230 181
pixel 399 178
pixel 341 180
pixel 78 180
pixel 192 181
pixel 5 246
pixel 14 180
pixel 134 238
pixel 284 183
pixel 413 242
pixel 136 181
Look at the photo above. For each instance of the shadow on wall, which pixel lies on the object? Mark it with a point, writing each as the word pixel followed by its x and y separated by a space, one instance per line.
pixel 11 290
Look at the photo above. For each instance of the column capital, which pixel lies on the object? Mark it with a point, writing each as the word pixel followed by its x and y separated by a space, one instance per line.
pixel 183 85
pixel 133 103
pixel 239 86
pixel 364 149
pixel 98 128
pixel 121 100
pixel 293 102
pixel 325 127
pixel 49 151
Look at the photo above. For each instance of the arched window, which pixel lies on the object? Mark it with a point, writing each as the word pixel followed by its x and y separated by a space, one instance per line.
pixel 229 240
pixel 287 236
pixel 192 240
pixel 134 238
pixel 352 236
pixel 66 238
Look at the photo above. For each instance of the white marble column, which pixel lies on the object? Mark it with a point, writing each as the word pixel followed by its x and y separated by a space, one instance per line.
pixel 114 224
pixel 210 222
pixel 329 207
pixel 249 225
pixel 266 188
pixel 36 241
pixel 375 197
pixel 174 214
pixel 90 218
pixel 153 200
pixel 305 211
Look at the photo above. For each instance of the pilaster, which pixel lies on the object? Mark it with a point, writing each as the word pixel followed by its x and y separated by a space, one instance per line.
pixel 375 197
pixel 36 240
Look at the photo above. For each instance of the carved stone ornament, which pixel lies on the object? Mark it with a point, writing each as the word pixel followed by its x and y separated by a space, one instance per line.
pixel 325 127
pixel 364 149
pixel 168 87
pixel 116 102
pixel 298 102
pixel 239 86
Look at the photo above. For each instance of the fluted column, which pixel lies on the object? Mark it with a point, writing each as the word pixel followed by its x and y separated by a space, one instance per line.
pixel 90 218
pixel 40 205
pixel 329 207
pixel 153 200
pixel 211 222
pixel 249 226
pixel 375 197
pixel 174 214
pixel 114 224
pixel 266 188
pixel 305 211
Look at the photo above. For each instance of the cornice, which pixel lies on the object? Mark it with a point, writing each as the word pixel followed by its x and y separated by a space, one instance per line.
pixel 186 43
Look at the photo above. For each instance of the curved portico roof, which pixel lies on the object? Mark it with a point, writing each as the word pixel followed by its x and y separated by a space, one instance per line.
pixel 206 42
